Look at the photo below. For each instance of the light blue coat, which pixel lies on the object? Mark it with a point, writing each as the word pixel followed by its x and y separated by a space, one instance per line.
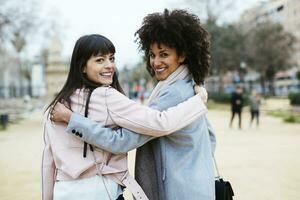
pixel 174 167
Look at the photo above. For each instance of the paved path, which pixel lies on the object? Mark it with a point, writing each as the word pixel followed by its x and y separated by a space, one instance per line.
pixel 262 164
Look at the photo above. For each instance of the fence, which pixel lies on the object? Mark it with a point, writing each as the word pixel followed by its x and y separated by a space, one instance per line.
pixel 15 92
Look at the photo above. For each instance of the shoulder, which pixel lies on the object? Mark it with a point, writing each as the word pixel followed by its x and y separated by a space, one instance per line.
pixel 109 96
pixel 106 91
pixel 172 95
pixel 182 88
pixel 100 91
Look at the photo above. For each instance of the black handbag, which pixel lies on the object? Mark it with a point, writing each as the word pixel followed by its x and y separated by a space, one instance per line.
pixel 223 188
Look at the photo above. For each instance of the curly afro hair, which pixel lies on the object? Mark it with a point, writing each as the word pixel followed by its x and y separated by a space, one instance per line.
pixel 180 30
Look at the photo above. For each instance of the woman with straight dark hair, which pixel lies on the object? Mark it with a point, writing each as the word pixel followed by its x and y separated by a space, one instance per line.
pixel 75 170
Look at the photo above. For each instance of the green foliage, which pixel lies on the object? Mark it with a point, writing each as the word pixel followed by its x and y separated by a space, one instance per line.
pixel 298 75
pixel 225 98
pixel 294 98
pixel 220 97
pixel 290 119
pixel 227 47
pixel 286 115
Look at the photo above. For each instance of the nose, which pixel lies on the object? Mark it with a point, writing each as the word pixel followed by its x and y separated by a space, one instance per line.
pixel 109 65
pixel 156 62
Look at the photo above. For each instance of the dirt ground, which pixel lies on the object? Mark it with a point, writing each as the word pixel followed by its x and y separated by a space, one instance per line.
pixel 261 163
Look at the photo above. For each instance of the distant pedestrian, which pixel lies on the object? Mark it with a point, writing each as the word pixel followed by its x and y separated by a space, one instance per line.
pixel 254 107
pixel 237 104
pixel 142 97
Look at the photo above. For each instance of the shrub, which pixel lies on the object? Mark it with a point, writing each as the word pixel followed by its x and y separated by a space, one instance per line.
pixel 225 98
pixel 290 119
pixel 219 97
pixel 294 98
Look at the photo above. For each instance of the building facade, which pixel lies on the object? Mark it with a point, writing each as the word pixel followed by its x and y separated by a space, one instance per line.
pixel 287 13
pixel 56 70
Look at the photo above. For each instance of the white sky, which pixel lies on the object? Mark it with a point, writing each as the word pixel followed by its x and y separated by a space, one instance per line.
pixel 116 19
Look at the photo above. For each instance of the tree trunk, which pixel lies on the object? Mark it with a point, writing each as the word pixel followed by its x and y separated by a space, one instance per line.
pixel 263 85
pixel 271 87
pixel 221 86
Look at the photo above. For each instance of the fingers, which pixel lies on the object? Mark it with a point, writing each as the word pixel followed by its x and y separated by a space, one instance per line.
pixel 197 89
pixel 202 91
pixel 52 116
pixel 54 111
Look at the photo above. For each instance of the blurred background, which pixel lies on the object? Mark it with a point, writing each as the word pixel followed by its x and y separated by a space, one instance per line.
pixel 255 44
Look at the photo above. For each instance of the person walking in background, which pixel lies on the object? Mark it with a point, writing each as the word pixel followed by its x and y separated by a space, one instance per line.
pixel 179 165
pixel 236 102
pixel 255 102
pixel 75 170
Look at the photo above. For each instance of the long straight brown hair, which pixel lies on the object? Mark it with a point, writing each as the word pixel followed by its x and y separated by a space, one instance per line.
pixel 85 47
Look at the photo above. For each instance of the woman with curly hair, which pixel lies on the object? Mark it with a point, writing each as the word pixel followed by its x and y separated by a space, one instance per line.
pixel 179 165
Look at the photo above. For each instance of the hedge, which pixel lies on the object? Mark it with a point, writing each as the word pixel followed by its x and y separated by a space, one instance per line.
pixel 294 98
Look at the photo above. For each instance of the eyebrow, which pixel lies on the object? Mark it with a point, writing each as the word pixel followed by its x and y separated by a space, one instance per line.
pixel 160 50
pixel 99 55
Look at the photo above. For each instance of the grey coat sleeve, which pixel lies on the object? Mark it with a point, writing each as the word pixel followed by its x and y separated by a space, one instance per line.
pixel 113 140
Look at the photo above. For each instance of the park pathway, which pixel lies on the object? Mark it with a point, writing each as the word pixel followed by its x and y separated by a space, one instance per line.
pixel 261 163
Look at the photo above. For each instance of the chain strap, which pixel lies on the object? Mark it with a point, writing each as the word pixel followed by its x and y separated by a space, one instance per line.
pixel 92 149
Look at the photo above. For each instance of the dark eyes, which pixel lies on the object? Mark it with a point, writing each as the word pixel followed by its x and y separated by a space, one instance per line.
pixel 100 60
pixel 112 59
pixel 151 55
pixel 163 55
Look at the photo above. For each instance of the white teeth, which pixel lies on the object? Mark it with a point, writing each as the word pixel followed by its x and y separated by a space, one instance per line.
pixel 106 74
pixel 160 69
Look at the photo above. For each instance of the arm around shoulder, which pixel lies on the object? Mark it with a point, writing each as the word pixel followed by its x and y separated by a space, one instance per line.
pixel 142 119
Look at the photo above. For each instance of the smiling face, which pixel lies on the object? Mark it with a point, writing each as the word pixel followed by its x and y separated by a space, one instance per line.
pixel 164 60
pixel 100 69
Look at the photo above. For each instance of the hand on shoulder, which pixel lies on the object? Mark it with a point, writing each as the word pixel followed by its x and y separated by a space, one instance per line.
pixel 202 91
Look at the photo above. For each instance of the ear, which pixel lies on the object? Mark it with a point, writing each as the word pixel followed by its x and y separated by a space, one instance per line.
pixel 181 58
pixel 84 69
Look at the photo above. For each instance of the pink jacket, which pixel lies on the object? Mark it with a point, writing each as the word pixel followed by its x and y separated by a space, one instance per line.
pixel 62 156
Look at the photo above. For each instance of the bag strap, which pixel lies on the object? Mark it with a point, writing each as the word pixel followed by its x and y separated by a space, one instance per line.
pixel 216 167
pixel 86 111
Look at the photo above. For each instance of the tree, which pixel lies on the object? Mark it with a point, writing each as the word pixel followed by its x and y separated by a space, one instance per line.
pixel 298 75
pixel 269 50
pixel 212 9
pixel 227 49
pixel 18 19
